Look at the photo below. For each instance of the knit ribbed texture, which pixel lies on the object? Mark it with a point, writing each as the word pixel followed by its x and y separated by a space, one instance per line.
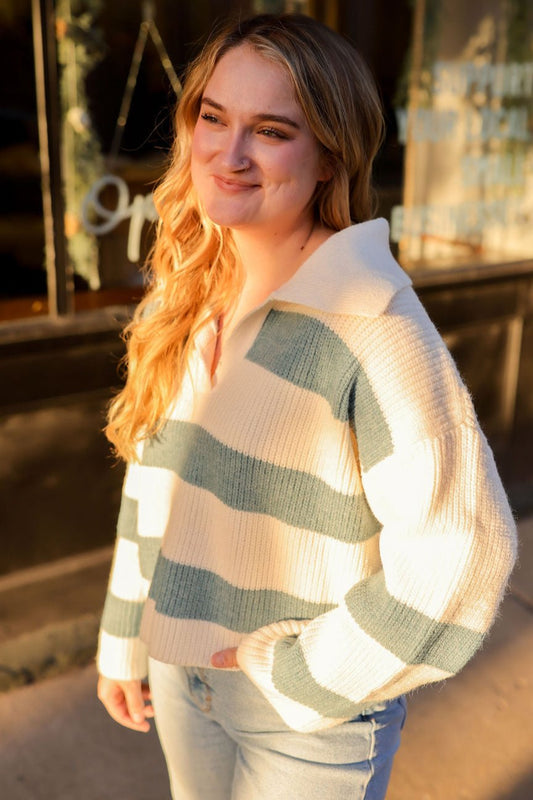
pixel 327 504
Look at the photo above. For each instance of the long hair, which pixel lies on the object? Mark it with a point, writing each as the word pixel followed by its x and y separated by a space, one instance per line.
pixel 195 273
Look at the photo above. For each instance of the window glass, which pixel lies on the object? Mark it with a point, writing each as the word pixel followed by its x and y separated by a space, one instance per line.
pixel 120 68
pixel 455 174
pixel 22 272
pixel 464 114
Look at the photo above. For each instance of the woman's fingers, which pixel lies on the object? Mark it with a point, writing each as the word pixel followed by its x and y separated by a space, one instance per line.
pixel 125 702
pixel 225 659
pixel 135 703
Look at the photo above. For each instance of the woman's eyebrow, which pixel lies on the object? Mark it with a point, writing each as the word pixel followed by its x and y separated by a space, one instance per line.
pixel 281 118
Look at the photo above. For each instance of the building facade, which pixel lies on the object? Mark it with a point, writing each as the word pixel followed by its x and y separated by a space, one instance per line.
pixel 86 107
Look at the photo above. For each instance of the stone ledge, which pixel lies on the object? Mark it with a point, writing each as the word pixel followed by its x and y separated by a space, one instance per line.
pixel 48 651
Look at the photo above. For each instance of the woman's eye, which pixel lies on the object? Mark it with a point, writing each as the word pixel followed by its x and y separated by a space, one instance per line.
pixel 209 117
pixel 273 133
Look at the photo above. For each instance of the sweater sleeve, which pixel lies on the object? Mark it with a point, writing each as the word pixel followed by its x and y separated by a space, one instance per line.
pixel 447 541
pixel 121 654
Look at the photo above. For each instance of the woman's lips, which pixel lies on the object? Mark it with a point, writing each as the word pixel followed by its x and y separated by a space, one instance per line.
pixel 233 186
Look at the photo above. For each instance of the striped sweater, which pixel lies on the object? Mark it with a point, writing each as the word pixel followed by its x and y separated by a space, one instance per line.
pixel 326 502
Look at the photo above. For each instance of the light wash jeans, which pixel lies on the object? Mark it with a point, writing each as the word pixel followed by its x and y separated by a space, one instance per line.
pixel 223 741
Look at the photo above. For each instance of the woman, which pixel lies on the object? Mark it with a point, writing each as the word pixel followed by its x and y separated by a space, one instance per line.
pixel 312 524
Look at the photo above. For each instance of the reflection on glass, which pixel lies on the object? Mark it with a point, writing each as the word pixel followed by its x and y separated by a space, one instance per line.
pixel 467 128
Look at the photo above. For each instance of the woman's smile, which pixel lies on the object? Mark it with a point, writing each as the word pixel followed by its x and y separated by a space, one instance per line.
pixel 233 186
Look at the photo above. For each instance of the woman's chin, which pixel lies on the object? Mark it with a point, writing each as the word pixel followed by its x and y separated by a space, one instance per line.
pixel 232 221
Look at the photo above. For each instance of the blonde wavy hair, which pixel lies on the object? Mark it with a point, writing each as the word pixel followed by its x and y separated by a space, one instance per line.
pixel 194 268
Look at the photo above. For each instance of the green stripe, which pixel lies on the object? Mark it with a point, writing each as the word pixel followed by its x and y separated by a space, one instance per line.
pixel 409 634
pixel 252 485
pixel 291 677
pixel 122 617
pixel 127 519
pixel 148 552
pixel 374 438
pixel 307 353
pixel 185 592
pixel 127 528
pixel 310 355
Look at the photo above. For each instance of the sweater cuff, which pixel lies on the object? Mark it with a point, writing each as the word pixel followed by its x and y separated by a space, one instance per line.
pixel 256 656
pixel 122 659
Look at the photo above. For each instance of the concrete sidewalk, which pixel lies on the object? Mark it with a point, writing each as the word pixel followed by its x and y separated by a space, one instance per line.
pixel 468 739
pixel 49 617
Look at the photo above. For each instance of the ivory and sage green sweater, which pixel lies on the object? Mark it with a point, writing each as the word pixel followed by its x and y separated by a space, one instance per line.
pixel 327 502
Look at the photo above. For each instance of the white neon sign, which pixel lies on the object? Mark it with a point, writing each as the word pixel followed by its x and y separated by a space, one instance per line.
pixel 140 210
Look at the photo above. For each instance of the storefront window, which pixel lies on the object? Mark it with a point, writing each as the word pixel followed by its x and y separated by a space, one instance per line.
pixel 126 148
pixel 455 175
pixel 465 117
pixel 116 80
pixel 115 86
pixel 118 126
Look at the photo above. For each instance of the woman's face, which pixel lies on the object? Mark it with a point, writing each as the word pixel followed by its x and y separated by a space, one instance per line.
pixel 254 162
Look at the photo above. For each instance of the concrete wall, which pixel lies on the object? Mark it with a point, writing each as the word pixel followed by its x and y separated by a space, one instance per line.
pixel 59 487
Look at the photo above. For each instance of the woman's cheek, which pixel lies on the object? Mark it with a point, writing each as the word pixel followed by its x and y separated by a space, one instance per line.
pixel 201 145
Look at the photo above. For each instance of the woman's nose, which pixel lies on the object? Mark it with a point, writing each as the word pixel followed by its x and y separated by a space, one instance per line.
pixel 236 156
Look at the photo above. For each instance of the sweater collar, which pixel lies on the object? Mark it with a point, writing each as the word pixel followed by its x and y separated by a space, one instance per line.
pixel 353 272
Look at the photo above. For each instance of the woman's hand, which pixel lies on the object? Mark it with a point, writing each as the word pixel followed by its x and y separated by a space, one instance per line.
pixel 225 659
pixel 125 702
